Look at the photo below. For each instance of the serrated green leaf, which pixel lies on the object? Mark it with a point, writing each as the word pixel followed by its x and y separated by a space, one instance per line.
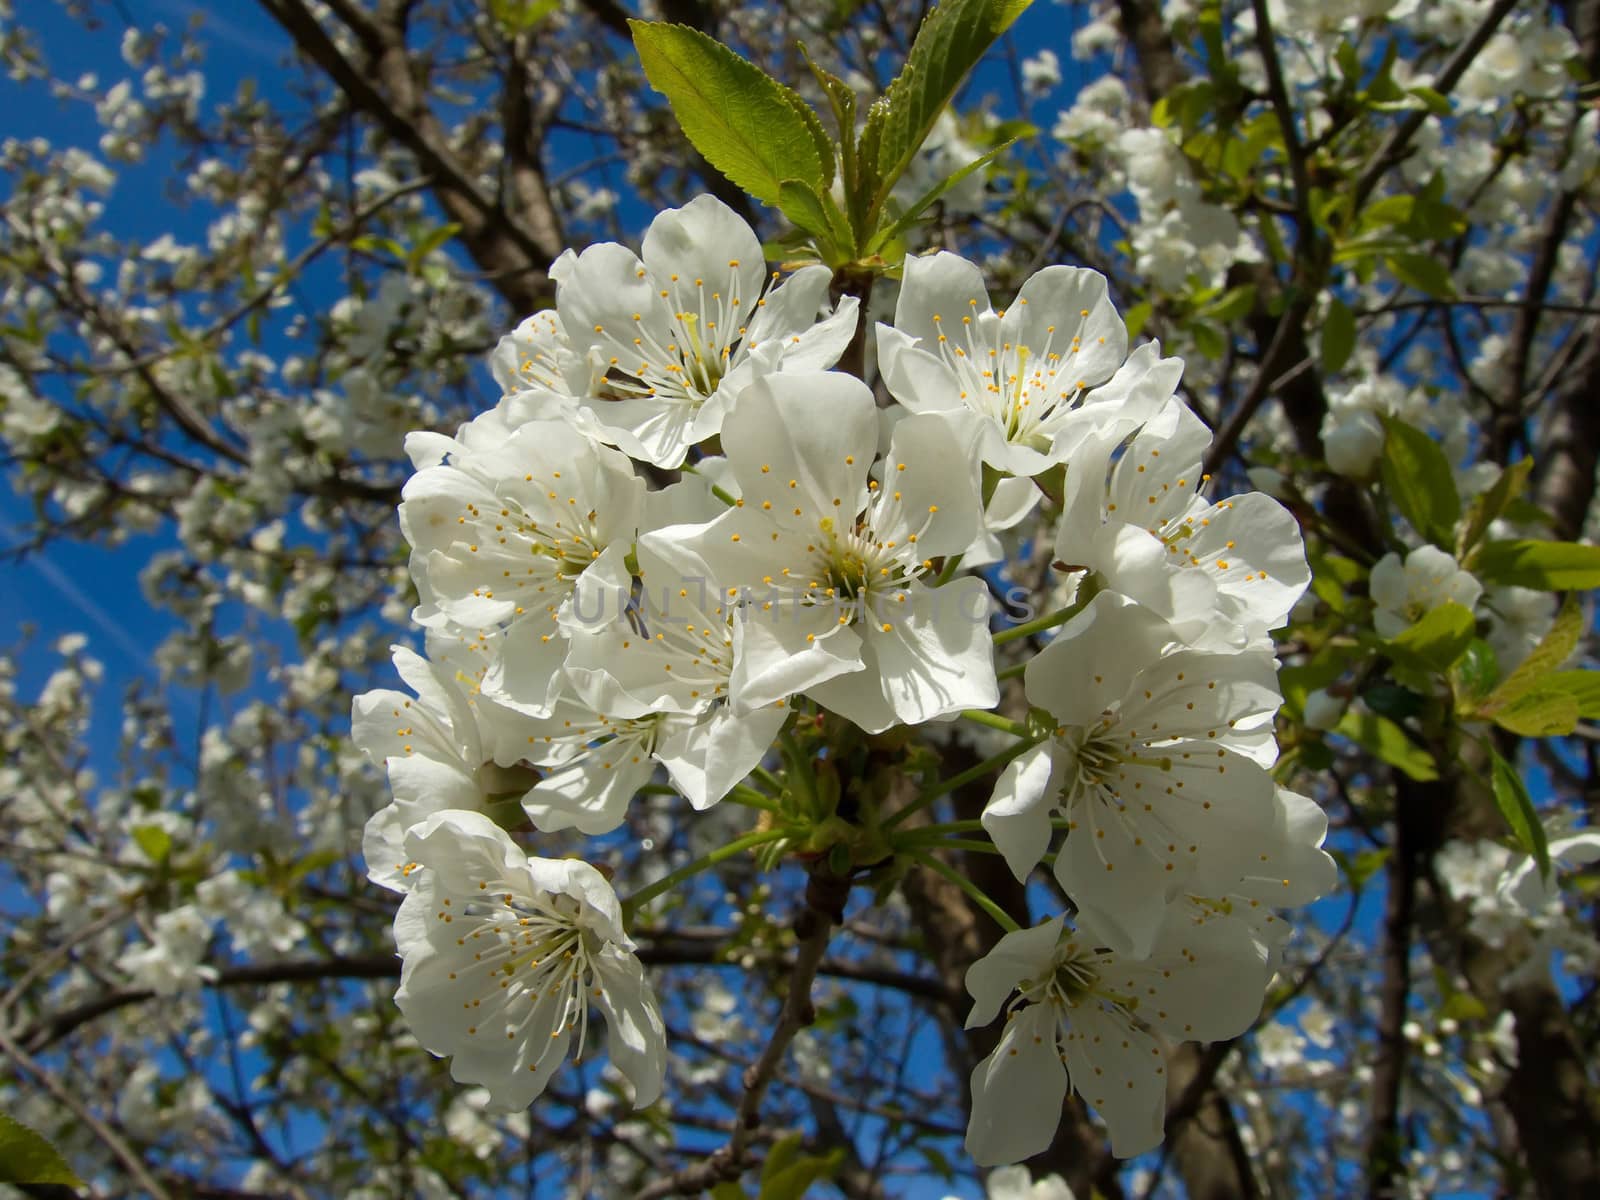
pixel 1136 318
pixel 842 99
pixel 1516 806
pixel 1338 336
pixel 1230 305
pixel 1395 702
pixel 1463 1006
pixel 1423 272
pixel 1582 686
pixel 155 842
pixel 1439 638
pixel 519 16
pixel 1418 478
pixel 819 134
pixel 745 122
pixel 27 1158
pixel 1552 651
pixel 1438 104
pixel 804 209
pixel 784 1152
pixel 1299 681
pixel 1389 743
pixel 1391 210
pixel 1486 506
pixel 1545 566
pixel 951 41
pixel 920 205
pixel 937 1162
pixel 1363 866
pixel 795 1180
pixel 428 243
pixel 1331 577
pixel 1475 672
pixel 1208 340
pixel 1543 712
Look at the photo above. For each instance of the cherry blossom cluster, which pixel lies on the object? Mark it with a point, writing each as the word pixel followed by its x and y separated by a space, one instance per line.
pixel 593 621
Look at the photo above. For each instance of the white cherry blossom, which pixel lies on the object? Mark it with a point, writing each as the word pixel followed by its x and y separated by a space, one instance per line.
pixel 503 955
pixel 1018 380
pixel 500 534
pixel 830 562
pixel 647 686
pixel 1134 515
pixel 438 753
pixel 1404 591
pixel 674 334
pixel 1157 761
pixel 1079 1018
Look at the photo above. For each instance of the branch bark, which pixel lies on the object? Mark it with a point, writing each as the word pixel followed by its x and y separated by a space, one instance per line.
pixel 513 250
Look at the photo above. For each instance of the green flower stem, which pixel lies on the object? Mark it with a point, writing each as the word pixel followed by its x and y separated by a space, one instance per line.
pixel 946 827
pixel 798 765
pixel 945 786
pixel 1001 917
pixel 1037 625
pixel 1086 592
pixel 768 780
pixel 951 565
pixel 994 721
pixel 1011 672
pixel 751 798
pixel 734 848
pixel 917 845
pixel 715 490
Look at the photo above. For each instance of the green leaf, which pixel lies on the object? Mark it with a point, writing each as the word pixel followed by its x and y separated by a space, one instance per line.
pixel 1136 318
pixel 1230 305
pixel 1545 566
pixel 1582 686
pixel 804 208
pixel 937 1162
pixel 1423 272
pixel 842 99
pixel 951 41
pixel 1331 578
pixel 1363 866
pixel 1418 479
pixel 794 1180
pixel 1486 506
pixel 1475 672
pixel 728 1191
pixel 920 205
pixel 1391 210
pixel 746 123
pixel 1439 638
pixel 1389 742
pixel 818 131
pixel 1516 806
pixel 427 244
pixel 1338 336
pixel 25 1157
pixel 784 1152
pixel 1543 712
pixel 519 16
pixel 1437 102
pixel 1208 340
pixel 1393 701
pixel 1552 651
pixel 155 842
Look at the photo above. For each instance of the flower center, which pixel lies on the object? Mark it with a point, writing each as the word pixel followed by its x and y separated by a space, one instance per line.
pixel 1020 388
